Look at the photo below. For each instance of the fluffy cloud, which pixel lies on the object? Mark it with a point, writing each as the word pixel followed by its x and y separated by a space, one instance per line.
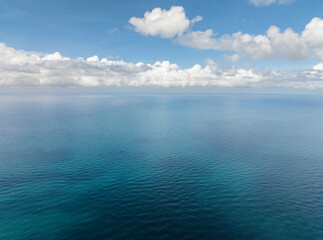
pixel 287 44
pixel 256 46
pixel 273 44
pixel 268 2
pixel 318 67
pixel 313 35
pixel 281 45
pixel 166 23
pixel 313 32
pixel 21 68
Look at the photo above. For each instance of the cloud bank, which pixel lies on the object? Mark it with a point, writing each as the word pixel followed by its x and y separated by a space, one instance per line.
pixel 21 68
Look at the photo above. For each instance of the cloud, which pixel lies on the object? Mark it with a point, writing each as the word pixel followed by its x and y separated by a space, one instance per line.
pixel 313 32
pixel 282 45
pixel 318 67
pixel 269 2
pixel 111 30
pixel 166 23
pixel 256 46
pixel 55 57
pixel 287 45
pixel 313 35
pixel 274 44
pixel 196 19
pixel 233 58
pixel 21 68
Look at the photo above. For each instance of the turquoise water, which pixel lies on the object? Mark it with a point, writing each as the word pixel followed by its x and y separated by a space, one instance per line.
pixel 160 166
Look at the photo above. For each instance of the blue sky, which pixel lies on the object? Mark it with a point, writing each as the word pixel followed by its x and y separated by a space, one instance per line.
pixel 86 28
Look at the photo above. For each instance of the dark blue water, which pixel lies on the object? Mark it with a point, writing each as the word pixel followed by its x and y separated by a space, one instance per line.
pixel 160 166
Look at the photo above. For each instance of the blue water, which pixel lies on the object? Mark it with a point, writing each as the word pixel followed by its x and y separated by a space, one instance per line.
pixel 135 165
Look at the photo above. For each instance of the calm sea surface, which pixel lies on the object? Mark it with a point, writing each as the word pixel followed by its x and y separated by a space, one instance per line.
pixel 161 166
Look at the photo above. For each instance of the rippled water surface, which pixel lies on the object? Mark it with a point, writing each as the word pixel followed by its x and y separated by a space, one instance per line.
pixel 161 166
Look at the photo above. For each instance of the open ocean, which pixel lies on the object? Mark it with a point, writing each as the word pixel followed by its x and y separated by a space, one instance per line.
pixel 167 165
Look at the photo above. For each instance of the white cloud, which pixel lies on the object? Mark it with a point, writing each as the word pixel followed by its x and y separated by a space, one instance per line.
pixel 313 35
pixel 232 58
pixel 269 2
pixel 93 59
pixel 319 52
pixel 313 32
pixel 196 19
pixel 166 23
pixel 274 43
pixel 55 57
pixel 318 67
pixel 287 44
pixel 281 45
pixel 21 68
pixel 256 46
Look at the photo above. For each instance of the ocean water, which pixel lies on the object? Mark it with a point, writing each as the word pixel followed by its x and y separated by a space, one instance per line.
pixel 140 165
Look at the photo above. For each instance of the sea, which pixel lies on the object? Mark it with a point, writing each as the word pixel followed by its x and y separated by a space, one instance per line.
pixel 160 164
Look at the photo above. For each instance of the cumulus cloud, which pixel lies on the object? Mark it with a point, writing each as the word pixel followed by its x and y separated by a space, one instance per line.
pixel 55 57
pixel 287 44
pixel 21 68
pixel 313 32
pixel 162 22
pixel 277 44
pixel 313 35
pixel 274 43
pixel 318 67
pixel 256 46
pixel 269 2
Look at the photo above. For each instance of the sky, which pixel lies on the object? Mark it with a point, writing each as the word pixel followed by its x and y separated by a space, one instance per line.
pixel 224 43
